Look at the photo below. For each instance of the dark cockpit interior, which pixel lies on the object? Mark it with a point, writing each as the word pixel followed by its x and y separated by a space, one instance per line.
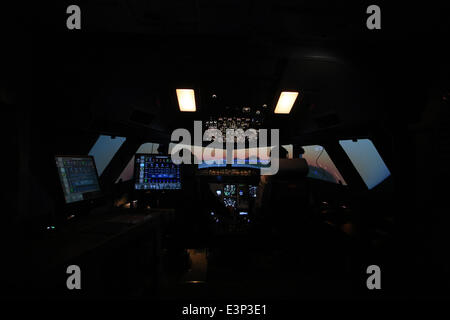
pixel 228 150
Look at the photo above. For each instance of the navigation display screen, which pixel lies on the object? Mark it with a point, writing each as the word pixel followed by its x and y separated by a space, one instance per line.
pixel 156 172
pixel 78 177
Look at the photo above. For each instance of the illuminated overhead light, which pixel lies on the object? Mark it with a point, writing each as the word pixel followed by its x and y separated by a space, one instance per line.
pixel 285 102
pixel 186 100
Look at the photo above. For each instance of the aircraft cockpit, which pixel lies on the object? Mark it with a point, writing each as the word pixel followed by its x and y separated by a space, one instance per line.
pixel 244 151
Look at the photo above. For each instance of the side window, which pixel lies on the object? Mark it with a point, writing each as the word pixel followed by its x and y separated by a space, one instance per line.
pixel 127 173
pixel 321 166
pixel 290 150
pixel 104 150
pixel 366 160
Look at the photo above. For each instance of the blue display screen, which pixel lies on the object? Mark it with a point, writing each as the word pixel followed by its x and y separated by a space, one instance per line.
pixel 154 172
pixel 127 173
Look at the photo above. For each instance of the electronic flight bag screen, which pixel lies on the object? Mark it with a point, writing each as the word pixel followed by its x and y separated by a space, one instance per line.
pixel 156 172
pixel 78 177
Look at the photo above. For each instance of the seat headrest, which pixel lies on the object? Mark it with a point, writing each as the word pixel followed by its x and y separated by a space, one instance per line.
pixel 290 169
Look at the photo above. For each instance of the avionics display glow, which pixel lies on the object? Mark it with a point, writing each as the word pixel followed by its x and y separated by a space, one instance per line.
pixel 286 102
pixel 186 100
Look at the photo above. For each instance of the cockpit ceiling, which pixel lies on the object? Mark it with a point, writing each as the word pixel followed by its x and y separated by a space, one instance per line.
pixel 141 95
pixel 122 75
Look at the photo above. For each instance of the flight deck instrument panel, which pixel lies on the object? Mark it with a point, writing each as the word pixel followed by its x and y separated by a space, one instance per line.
pixel 78 177
pixel 238 196
pixel 246 119
pixel 156 172
pixel 235 172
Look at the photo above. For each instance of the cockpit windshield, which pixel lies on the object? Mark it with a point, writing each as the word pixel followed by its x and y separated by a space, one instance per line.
pixel 104 150
pixel 321 166
pixel 366 160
